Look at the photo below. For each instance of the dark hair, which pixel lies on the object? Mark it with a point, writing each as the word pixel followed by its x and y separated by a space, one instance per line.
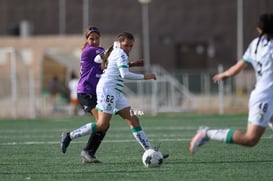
pixel 105 57
pixel 125 35
pixel 121 37
pixel 88 31
pixel 91 29
pixel 265 24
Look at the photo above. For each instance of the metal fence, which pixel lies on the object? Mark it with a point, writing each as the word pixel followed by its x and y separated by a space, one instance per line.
pixel 178 91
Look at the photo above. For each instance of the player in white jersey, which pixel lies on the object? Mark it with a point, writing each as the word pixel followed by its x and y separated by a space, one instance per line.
pixel 109 89
pixel 110 99
pixel 260 55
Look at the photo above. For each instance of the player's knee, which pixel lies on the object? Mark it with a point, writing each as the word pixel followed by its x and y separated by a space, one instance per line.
pixel 252 142
pixel 102 127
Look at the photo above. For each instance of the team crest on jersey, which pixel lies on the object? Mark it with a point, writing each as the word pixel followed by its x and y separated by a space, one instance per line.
pixel 124 59
pixel 109 107
pixel 123 56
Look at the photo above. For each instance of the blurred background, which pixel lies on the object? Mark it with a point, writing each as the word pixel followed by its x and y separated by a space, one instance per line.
pixel 185 42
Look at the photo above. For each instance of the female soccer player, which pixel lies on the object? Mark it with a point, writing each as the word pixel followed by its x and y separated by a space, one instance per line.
pixel 90 72
pixel 89 76
pixel 109 90
pixel 260 55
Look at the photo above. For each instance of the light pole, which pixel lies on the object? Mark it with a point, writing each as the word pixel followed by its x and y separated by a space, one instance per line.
pixel 145 32
pixel 240 27
pixel 85 8
pixel 62 16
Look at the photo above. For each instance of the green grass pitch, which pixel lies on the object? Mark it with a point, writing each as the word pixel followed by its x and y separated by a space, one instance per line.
pixel 30 151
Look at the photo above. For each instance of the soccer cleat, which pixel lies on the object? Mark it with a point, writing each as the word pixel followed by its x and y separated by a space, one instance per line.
pixel 199 139
pixel 165 155
pixel 65 141
pixel 88 158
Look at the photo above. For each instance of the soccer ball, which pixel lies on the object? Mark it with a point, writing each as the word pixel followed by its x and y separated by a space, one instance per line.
pixel 152 158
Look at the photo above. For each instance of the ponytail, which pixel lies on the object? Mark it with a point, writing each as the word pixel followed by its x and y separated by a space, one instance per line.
pixel 105 57
pixel 265 24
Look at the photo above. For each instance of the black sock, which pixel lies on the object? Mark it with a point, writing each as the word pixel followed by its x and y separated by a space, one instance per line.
pixel 94 142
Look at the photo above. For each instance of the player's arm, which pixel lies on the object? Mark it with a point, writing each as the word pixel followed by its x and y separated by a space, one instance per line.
pixel 126 74
pixel 232 71
pixel 98 58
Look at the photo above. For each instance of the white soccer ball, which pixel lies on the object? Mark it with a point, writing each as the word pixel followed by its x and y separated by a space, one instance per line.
pixel 152 158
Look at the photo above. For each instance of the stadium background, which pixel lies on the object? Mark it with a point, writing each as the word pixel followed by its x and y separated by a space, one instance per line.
pixel 188 41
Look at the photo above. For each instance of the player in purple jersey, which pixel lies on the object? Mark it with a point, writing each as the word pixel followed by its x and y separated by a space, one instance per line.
pixel 90 72
pixel 89 77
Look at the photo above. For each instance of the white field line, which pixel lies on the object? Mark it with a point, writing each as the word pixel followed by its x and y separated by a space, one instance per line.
pixel 112 129
pixel 113 138
pixel 106 141
pixel 78 142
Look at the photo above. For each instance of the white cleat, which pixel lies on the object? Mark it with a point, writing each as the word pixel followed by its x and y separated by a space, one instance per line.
pixel 199 139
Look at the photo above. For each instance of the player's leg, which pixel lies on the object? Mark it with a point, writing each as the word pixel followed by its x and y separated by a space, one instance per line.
pixel 93 143
pixel 103 118
pixel 259 115
pixel 136 129
pixel 88 102
pixel 102 124
pixel 123 107
pixel 249 138
pixel 67 137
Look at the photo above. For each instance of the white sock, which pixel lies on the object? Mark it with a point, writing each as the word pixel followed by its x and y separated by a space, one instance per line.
pixel 86 129
pixel 218 134
pixel 141 138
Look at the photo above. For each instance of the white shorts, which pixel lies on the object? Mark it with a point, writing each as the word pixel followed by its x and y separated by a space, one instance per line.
pixel 260 112
pixel 110 101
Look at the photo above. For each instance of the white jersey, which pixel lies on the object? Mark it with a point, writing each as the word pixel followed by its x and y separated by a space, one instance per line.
pixel 262 62
pixel 109 88
pixel 261 98
pixel 117 70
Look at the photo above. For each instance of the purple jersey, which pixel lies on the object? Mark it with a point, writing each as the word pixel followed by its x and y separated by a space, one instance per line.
pixel 90 70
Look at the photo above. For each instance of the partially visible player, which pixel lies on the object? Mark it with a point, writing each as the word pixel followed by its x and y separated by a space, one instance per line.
pixel 260 55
